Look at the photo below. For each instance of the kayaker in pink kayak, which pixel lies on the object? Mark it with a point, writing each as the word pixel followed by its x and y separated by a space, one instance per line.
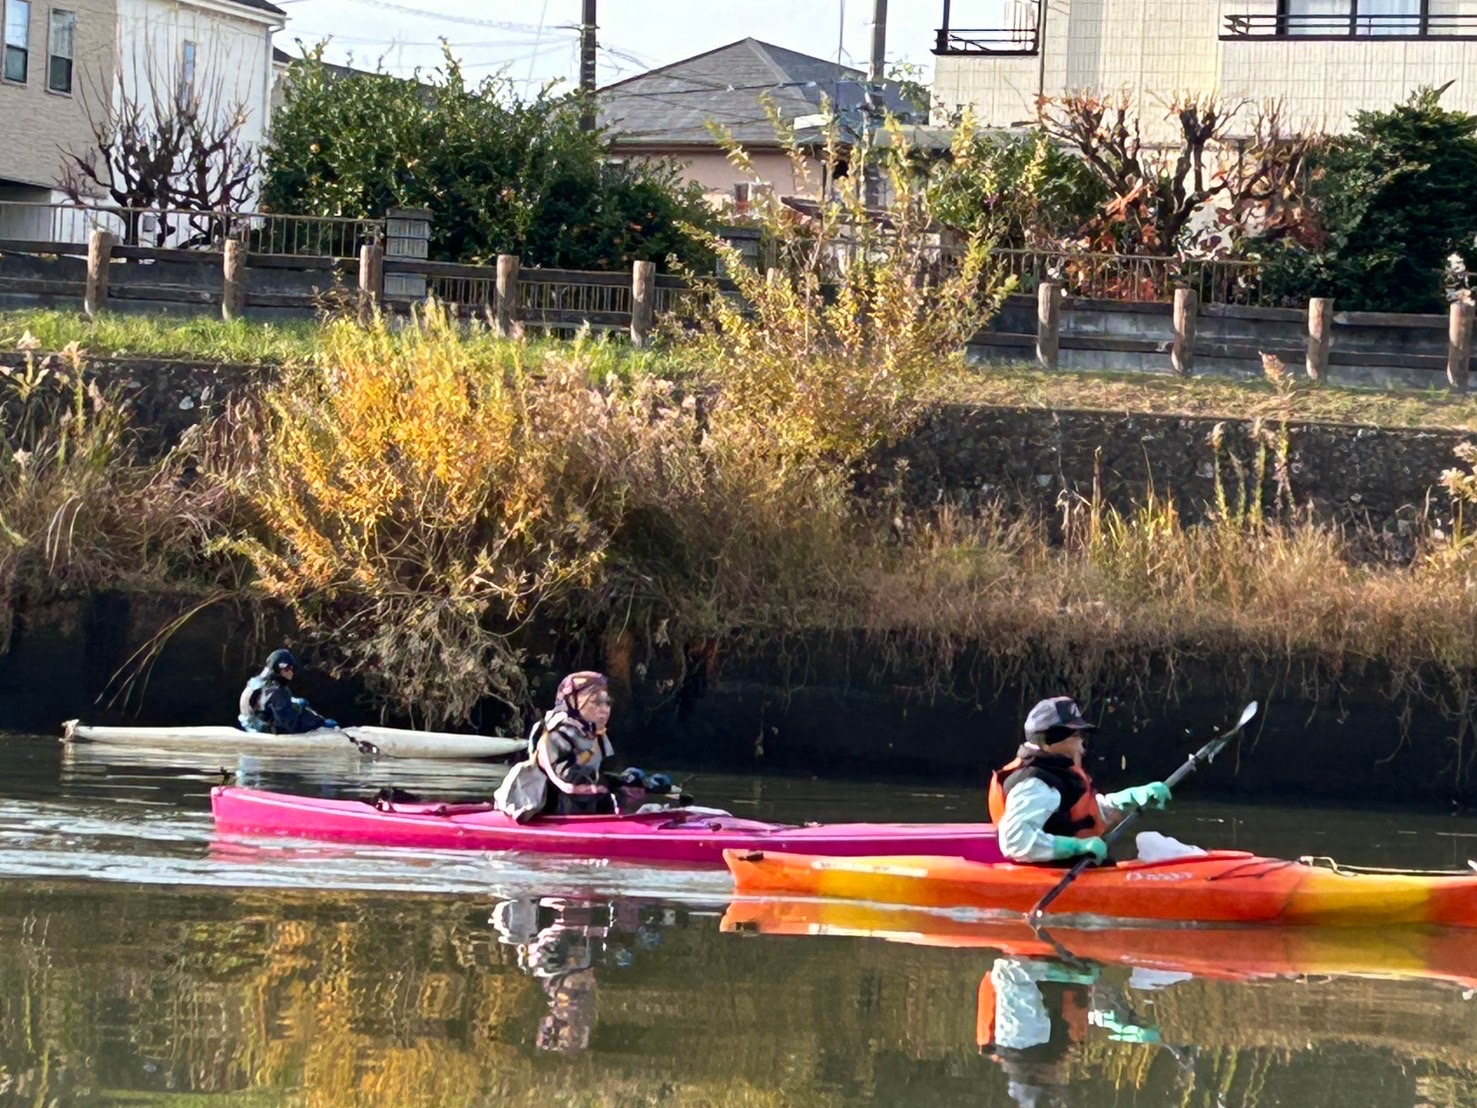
pixel 570 746
pixel 1043 803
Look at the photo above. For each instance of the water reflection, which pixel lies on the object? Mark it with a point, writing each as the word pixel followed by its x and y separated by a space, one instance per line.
pixel 560 941
pixel 143 960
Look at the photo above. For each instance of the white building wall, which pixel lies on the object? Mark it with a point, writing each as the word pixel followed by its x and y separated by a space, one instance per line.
pixel 1157 49
pixel 233 55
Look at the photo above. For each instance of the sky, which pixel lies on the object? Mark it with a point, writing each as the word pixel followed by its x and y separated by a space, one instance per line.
pixel 535 41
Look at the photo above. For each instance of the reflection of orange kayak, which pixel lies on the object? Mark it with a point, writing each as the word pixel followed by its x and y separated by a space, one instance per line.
pixel 1220 887
pixel 1217 952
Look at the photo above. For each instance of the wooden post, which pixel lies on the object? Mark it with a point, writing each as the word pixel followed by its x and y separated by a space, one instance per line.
pixel 371 279
pixel 643 302
pixel 1320 336
pixel 233 291
pixel 1459 345
pixel 99 258
pixel 506 303
pixel 1182 353
pixel 1048 324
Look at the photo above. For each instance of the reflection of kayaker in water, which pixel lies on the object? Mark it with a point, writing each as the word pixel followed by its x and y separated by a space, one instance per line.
pixel 563 953
pixel 1044 803
pixel 1034 1013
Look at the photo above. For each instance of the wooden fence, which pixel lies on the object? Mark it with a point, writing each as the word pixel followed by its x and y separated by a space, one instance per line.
pixel 1357 347
pixel 103 274
pixel 1051 330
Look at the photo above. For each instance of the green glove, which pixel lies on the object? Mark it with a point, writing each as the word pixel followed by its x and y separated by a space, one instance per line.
pixel 1122 1032
pixel 1065 846
pixel 1153 795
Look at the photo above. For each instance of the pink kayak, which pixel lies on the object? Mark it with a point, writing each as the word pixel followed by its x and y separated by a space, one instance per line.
pixel 676 835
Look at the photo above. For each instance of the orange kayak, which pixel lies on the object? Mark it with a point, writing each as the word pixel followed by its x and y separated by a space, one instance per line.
pixel 1220 887
pixel 1214 952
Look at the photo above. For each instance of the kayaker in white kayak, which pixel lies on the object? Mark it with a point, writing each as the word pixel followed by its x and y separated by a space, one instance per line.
pixel 267 704
pixel 1043 803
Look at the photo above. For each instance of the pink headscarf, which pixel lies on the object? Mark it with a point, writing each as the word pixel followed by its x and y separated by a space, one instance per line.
pixel 576 684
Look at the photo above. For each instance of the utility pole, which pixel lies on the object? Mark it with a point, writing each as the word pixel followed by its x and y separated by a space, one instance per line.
pixel 879 41
pixel 587 65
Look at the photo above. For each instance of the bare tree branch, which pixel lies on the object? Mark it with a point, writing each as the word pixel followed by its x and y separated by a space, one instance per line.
pixel 173 154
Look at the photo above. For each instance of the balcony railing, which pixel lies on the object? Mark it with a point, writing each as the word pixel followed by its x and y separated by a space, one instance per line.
pixel 1017 41
pixel 1362 25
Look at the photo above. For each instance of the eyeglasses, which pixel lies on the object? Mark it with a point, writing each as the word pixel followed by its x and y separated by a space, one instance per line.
pixel 600 701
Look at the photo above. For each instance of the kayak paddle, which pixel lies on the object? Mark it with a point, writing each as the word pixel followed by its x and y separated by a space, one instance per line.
pixel 1202 756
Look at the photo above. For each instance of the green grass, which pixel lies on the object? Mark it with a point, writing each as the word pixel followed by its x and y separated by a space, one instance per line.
pixel 254 343
pixel 195 338
pixel 247 342
pixel 1216 397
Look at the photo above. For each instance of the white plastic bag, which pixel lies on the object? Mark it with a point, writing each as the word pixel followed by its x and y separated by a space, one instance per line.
pixel 1154 847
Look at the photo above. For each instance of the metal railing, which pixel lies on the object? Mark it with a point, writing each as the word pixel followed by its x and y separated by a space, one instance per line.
pixel 1144 279
pixel 1019 40
pixel 184 229
pixel 1351 24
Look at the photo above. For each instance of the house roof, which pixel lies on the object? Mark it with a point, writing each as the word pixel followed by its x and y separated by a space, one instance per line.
pixel 672 105
pixel 259 5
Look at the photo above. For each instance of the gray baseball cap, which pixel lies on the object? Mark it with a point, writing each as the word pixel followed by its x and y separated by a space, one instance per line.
pixel 1059 711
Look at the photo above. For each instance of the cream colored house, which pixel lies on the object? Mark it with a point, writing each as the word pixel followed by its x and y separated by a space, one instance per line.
pixel 1324 58
pixel 54 55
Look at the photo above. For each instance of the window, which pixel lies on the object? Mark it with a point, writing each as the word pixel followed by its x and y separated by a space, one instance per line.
pixel 17 40
pixel 59 71
pixel 1354 17
pixel 187 74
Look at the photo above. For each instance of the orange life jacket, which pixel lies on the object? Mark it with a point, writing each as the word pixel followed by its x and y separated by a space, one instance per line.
pixel 1078 814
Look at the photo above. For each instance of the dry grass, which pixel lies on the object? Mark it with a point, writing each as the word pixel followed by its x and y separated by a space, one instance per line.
pixel 1162 394
pixel 79 509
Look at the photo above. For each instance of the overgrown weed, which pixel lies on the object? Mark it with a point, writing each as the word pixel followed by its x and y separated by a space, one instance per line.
pixel 79 509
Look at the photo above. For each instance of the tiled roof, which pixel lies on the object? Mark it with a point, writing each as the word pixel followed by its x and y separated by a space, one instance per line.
pixel 673 104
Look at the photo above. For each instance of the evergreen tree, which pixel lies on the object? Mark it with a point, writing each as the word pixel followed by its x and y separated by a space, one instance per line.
pixel 500 174
pixel 1395 201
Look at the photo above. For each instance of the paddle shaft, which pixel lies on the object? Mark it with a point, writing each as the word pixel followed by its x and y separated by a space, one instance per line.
pixel 1205 754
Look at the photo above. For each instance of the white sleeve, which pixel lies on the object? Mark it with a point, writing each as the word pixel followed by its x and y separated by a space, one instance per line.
pixel 1027 808
pixel 1111 812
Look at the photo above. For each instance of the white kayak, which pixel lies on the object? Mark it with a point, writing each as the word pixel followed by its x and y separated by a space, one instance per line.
pixel 391 741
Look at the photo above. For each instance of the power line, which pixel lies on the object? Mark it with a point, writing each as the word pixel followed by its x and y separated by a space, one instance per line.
pixel 408 9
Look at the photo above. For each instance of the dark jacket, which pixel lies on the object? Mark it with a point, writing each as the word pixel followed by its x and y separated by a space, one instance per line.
pixel 267 704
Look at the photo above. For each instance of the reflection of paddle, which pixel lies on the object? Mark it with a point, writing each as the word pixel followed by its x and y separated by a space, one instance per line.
pixel 1205 754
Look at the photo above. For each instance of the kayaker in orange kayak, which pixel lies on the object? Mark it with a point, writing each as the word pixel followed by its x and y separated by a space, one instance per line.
pixel 1043 803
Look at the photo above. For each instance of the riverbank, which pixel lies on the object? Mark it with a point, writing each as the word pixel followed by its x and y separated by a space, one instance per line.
pixel 453 519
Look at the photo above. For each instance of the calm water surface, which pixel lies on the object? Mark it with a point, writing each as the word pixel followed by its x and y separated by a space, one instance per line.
pixel 143 961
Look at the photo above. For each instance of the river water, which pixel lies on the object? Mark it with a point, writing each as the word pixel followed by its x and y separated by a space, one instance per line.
pixel 144 961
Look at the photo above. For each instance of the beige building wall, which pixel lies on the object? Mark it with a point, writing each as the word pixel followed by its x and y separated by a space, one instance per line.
pixel 1156 49
pixel 38 125
pixel 717 175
